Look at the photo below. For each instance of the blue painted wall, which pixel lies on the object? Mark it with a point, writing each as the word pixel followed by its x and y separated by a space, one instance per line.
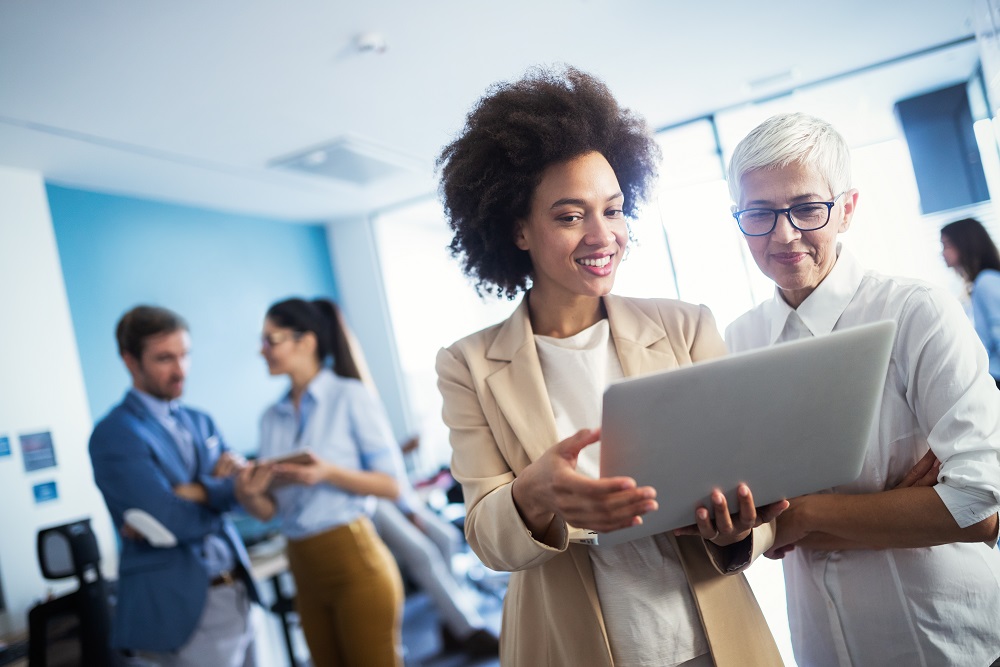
pixel 220 271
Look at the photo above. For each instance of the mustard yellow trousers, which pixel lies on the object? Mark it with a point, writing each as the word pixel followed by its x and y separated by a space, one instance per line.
pixel 349 597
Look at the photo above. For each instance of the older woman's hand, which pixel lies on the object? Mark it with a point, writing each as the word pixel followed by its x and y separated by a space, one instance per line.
pixel 923 473
pixel 727 529
pixel 792 530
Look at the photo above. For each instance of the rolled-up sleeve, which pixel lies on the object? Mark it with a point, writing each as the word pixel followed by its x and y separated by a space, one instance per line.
pixel 955 402
pixel 373 434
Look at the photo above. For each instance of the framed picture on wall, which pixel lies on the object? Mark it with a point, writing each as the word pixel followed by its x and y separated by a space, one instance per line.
pixel 37 451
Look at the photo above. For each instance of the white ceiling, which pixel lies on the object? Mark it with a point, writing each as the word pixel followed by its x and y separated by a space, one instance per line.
pixel 189 101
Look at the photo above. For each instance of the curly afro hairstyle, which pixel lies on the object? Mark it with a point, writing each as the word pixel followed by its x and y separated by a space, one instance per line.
pixel 514 132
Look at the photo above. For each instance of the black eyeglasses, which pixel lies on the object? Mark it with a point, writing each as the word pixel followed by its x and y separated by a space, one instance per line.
pixel 806 217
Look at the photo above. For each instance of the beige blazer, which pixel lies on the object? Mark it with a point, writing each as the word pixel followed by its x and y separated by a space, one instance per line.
pixel 500 420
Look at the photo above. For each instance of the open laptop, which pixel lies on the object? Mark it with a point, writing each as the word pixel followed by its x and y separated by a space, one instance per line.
pixel 788 420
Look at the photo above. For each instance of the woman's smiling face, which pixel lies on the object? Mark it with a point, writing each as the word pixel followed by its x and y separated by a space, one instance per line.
pixel 575 232
pixel 796 261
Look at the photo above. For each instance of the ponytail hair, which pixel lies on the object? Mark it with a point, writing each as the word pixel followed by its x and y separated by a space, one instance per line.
pixel 344 363
pixel 322 318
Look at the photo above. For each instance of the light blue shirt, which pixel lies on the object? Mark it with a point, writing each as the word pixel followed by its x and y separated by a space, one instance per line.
pixel 986 315
pixel 343 424
pixel 215 553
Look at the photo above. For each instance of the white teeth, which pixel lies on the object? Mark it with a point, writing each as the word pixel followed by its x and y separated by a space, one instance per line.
pixel 602 261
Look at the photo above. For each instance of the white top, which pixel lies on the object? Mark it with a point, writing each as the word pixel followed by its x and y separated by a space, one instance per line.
pixel 929 606
pixel 648 610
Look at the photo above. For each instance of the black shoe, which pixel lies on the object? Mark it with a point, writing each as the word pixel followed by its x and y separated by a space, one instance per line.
pixel 480 643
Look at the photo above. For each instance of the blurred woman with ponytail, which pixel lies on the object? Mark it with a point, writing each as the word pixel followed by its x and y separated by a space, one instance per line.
pixel 349 591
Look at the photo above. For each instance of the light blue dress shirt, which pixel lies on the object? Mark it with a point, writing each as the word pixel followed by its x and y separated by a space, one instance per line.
pixel 986 315
pixel 216 553
pixel 342 423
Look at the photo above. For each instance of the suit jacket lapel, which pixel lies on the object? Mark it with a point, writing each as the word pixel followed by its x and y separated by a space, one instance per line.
pixel 519 387
pixel 160 440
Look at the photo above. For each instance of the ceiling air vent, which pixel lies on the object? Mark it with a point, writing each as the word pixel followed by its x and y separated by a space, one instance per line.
pixel 349 159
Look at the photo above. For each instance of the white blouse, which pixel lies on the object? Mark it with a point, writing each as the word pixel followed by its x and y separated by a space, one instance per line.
pixel 648 610
pixel 928 606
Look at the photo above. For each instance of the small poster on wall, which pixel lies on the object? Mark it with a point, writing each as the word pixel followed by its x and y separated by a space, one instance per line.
pixel 45 491
pixel 4 445
pixel 37 450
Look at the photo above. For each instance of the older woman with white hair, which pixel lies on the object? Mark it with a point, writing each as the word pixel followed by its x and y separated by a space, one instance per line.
pixel 877 572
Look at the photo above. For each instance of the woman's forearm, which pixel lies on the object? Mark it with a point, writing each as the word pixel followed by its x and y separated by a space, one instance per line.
pixel 260 507
pixel 900 518
pixel 363 482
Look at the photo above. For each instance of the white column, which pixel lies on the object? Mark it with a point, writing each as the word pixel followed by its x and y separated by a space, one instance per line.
pixel 41 389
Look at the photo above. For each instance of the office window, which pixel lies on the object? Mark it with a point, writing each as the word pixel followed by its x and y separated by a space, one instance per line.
pixel 431 304
pixel 888 233
pixel 647 270
pixel 710 262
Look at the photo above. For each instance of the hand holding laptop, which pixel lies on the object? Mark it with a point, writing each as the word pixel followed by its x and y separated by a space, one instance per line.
pixel 552 485
pixel 729 528
pixel 786 420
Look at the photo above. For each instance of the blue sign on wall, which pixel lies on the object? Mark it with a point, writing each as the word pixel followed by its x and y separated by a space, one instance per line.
pixel 45 491
pixel 4 445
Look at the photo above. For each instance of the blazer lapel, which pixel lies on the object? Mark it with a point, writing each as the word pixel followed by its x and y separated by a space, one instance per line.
pixel 635 334
pixel 519 387
pixel 158 439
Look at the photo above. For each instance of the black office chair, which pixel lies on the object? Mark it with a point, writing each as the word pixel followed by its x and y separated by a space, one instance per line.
pixel 73 629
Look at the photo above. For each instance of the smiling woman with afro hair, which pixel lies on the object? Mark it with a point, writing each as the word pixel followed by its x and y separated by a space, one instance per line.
pixel 518 129
pixel 538 188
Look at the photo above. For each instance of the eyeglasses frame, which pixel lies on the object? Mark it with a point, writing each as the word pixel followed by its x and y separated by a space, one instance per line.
pixel 266 342
pixel 788 214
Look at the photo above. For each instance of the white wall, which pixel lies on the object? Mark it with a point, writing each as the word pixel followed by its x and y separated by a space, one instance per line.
pixel 41 389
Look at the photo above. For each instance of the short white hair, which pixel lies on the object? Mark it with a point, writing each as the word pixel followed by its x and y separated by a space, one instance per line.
pixel 792 137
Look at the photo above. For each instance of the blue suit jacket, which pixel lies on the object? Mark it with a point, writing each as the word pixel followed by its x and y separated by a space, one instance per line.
pixel 161 592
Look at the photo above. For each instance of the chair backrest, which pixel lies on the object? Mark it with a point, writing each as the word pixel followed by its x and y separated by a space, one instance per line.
pixel 74 628
pixel 67 550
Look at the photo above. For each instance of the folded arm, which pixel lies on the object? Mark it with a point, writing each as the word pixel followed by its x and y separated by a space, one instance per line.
pixel 896 519
pixel 129 477
pixel 943 378
pixel 217 490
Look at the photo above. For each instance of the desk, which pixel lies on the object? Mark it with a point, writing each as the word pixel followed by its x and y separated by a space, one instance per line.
pixel 268 562
pixel 14 650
